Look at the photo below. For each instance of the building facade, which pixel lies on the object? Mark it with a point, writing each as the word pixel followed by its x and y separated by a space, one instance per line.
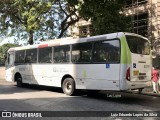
pixel 146 22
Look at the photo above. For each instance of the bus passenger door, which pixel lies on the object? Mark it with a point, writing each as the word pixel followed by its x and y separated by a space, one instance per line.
pixel 9 64
pixel 30 60
pixel 28 73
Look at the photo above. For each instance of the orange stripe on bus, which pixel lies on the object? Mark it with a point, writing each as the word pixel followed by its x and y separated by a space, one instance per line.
pixel 42 46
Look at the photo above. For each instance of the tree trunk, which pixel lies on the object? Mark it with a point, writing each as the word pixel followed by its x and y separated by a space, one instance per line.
pixel 30 41
pixel 61 33
pixel 65 25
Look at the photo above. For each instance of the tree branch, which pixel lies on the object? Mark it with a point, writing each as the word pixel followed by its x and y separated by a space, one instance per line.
pixel 62 8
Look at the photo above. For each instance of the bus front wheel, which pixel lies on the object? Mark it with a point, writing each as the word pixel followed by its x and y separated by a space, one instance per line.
pixel 19 81
pixel 68 86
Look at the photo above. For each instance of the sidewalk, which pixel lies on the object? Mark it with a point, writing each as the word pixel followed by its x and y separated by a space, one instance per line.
pixel 3 82
pixel 149 91
pixel 2 73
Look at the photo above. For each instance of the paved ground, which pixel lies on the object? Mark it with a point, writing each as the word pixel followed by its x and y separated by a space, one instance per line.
pixel 40 98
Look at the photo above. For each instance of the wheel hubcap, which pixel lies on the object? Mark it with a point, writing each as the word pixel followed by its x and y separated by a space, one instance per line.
pixel 68 86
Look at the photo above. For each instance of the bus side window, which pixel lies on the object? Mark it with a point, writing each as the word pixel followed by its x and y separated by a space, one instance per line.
pixel 28 59
pixel 20 57
pixel 61 54
pixel 81 52
pixel 106 51
pixel 45 55
pixel 31 56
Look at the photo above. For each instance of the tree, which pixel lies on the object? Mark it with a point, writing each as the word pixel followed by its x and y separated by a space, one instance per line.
pixel 60 17
pixel 33 18
pixel 106 15
pixel 23 15
pixel 70 11
pixel 3 51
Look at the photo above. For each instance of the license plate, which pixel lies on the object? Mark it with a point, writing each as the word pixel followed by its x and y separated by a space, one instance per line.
pixel 135 72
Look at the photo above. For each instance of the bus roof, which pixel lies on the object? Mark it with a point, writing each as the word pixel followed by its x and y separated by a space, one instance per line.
pixel 70 40
pixel 133 34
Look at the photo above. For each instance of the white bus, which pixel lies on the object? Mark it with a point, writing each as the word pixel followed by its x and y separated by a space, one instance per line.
pixel 118 61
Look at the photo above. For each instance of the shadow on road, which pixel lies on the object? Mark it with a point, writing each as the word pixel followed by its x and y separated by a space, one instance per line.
pixel 103 96
pixel 10 88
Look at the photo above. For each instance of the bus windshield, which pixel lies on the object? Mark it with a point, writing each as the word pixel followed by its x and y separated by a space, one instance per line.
pixel 138 45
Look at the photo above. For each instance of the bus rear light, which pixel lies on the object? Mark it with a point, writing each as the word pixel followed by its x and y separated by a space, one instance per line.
pixel 128 74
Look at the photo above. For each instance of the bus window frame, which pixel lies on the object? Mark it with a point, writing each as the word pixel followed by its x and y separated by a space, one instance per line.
pixel 126 36
pixel 36 56
pixel 91 53
pixel 118 62
pixel 24 57
pixel 53 54
pixel 51 61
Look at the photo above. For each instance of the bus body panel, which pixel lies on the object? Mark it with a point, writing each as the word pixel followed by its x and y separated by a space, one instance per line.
pixel 83 74
pixel 129 85
pixel 92 76
pixel 9 76
pixel 141 68
pixel 105 79
pixel 9 67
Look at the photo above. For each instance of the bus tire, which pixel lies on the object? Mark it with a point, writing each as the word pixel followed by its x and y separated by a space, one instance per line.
pixel 19 81
pixel 68 86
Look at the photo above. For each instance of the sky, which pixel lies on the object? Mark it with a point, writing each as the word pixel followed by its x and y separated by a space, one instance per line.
pixel 11 40
pixel 7 40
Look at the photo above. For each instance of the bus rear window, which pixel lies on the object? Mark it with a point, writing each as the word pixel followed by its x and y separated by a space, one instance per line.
pixel 138 45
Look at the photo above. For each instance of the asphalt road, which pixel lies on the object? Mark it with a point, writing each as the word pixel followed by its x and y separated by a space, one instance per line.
pixel 40 98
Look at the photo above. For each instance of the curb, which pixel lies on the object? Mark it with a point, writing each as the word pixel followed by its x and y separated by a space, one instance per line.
pixel 4 82
pixel 147 91
pixel 151 94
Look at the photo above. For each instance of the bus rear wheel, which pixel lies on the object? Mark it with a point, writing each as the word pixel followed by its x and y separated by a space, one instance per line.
pixel 68 86
pixel 19 81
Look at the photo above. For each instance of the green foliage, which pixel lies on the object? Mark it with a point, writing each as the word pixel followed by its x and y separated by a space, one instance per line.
pixel 106 15
pixel 37 19
pixel 3 51
pixel 23 15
